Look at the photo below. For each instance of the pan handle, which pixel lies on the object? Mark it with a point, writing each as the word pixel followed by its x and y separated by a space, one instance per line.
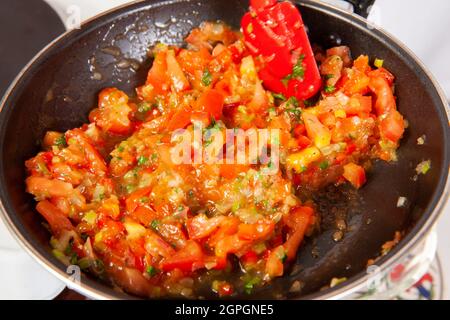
pixel 361 7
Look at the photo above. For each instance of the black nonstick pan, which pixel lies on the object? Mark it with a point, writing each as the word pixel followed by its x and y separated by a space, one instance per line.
pixel 59 87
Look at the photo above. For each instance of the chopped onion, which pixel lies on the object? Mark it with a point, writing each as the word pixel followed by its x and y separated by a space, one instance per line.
pixel 401 202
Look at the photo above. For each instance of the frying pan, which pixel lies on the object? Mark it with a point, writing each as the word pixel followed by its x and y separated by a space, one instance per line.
pixel 58 88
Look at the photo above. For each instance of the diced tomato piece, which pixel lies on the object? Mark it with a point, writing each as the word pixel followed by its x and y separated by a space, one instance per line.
pixel 113 112
pixel 259 230
pixel 299 130
pixel 176 75
pixel 362 64
pixel 144 215
pixel 392 126
pixel 343 52
pixel 188 259
pixel 157 76
pixel 303 142
pixel 298 221
pixel 250 257
pixel 230 244
pixel 383 73
pixel 355 174
pixel 193 61
pixel 155 245
pixel 56 219
pixel 201 226
pixel 211 101
pixel 96 162
pixel 317 132
pixel 228 227
pixel 180 120
pixel 231 171
pixel 385 100
pixel 274 263
pixel 110 207
pixel 358 104
pixel 43 187
pixel 134 200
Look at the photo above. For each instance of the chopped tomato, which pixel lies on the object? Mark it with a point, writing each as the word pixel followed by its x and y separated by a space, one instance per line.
pixel 96 162
pixel 317 132
pixel 231 171
pixel 189 258
pixel 358 104
pixel 355 174
pixel 211 101
pixel 113 112
pixel 135 199
pixel 303 142
pixel 385 101
pixel 176 75
pixel 298 221
pixel 259 230
pixel 383 73
pixel 392 126
pixel 201 226
pixel 274 263
pixel 43 187
pixel 56 219
pixel 249 258
pixel 180 119
pixel 228 227
pixel 157 76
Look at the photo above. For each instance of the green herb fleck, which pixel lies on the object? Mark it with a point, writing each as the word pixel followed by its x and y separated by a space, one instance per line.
pixel 206 78
pixel 60 142
pixel 144 107
pixel 249 285
pixel 329 89
pixel 293 102
pixel 142 160
pixel 144 199
pixel 298 71
pixel 151 271
pixel 324 165
pixel 155 224
pixel 279 96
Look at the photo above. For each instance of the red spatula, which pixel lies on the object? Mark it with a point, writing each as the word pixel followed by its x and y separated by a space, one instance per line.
pixel 275 32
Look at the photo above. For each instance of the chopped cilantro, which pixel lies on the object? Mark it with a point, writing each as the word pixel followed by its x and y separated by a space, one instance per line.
pixel 249 285
pixel 206 78
pixel 324 165
pixel 151 271
pixel 329 89
pixel 142 160
pixel 155 224
pixel 293 101
pixel 61 142
pixel 279 96
pixel 144 107
pixel 298 71
pixel 144 200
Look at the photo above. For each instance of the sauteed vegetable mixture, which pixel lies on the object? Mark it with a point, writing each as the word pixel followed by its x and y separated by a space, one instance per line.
pixel 118 206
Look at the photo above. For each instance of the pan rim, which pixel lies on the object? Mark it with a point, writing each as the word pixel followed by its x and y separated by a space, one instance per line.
pixel 93 289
